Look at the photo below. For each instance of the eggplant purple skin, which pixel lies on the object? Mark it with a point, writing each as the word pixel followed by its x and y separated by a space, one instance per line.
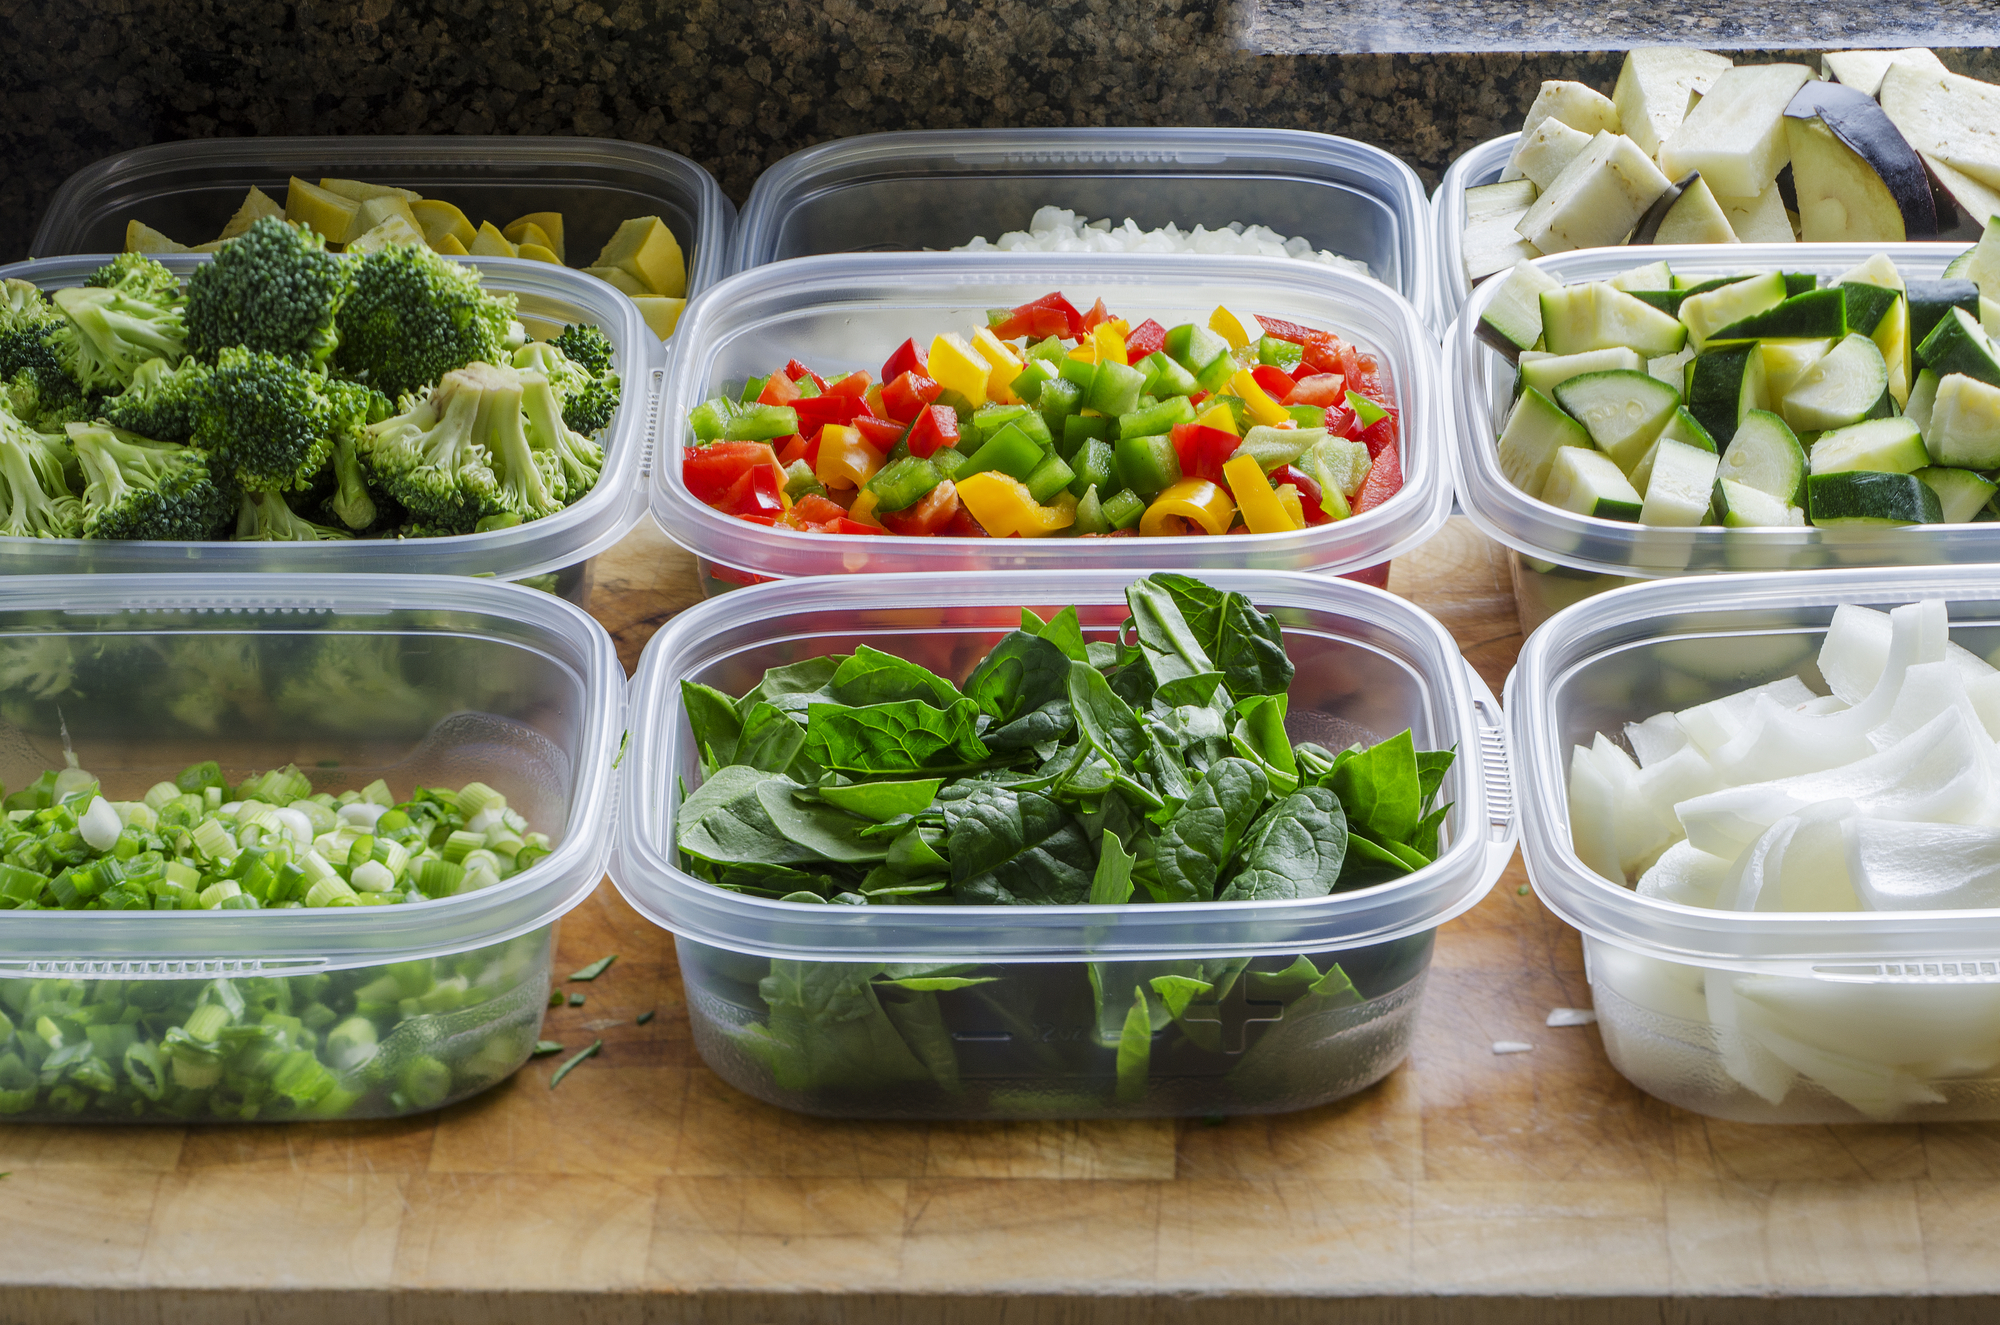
pixel 1648 229
pixel 1858 121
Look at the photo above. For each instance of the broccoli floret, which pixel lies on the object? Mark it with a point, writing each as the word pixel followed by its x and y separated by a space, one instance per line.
pixel 204 680
pixel 38 387
pixel 268 421
pixel 415 316
pixel 585 346
pixel 432 457
pixel 111 331
pixel 161 401
pixel 264 516
pixel 35 500
pixel 139 276
pixel 274 289
pixel 530 482
pixel 135 487
pixel 355 684
pixel 351 503
pixel 578 459
pixel 40 666
pixel 589 397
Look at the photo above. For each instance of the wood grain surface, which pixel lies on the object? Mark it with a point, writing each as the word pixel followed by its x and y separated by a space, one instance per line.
pixel 1467 1187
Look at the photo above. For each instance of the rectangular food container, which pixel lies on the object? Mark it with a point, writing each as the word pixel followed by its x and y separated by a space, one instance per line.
pixel 419 680
pixel 554 552
pixel 937 189
pixel 849 310
pixel 188 190
pixel 1034 1042
pixel 1863 1015
pixel 1560 557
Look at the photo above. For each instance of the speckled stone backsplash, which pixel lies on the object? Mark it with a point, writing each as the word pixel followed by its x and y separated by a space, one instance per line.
pixel 734 84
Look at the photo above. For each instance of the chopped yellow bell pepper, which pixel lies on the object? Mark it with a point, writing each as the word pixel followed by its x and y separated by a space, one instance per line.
pixel 1110 343
pixel 1262 408
pixel 360 190
pixel 1260 506
pixel 956 366
pixel 1224 324
pixel 1295 506
pixel 1085 351
pixel 846 460
pixel 1006 366
pixel 863 509
pixel 142 238
pixel 1003 506
pixel 1220 417
pixel 1192 499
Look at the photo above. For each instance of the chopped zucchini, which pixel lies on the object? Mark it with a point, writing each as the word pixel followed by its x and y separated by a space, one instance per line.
pixel 1959 345
pixel 1961 493
pixel 1535 431
pixel 1815 315
pixel 1622 410
pixel 1652 276
pixel 1864 497
pixel 1588 483
pixel 1546 372
pixel 1888 446
pixel 1707 312
pixel 1785 361
pixel 1599 316
pixel 1681 486
pixel 1743 507
pixel 1923 396
pixel 1766 455
pixel 1849 384
pixel 1964 425
pixel 1513 321
pixel 1724 386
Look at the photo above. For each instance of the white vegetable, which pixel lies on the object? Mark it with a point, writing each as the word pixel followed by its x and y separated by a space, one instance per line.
pixel 1945 115
pixel 1541 153
pixel 363 814
pixel 1058 230
pixel 1596 200
pixel 1760 218
pixel 1736 136
pixel 1864 70
pixel 100 825
pixel 373 876
pixel 1653 88
pixel 1579 106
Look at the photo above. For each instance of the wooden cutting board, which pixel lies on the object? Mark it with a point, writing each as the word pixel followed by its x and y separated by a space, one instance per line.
pixel 1467 1187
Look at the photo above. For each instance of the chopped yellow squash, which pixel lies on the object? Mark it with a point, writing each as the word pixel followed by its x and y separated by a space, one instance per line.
pixel 538 253
pixel 316 209
pixel 648 250
pixel 377 210
pixel 661 313
pixel 549 223
pixel 142 238
pixel 438 219
pixel 212 246
pixel 256 204
pixel 490 243
pixel 528 233
pixel 448 245
pixel 362 191
pixel 624 280
pixel 394 229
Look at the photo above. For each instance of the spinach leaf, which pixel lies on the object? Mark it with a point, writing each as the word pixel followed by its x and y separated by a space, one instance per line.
pixel 921 1024
pixel 1020 675
pixel 772 741
pixel 914 853
pixel 905 736
pixel 1105 720
pixel 945 983
pixel 1204 833
pixel 1294 850
pixel 1245 644
pixel 1016 849
pixel 1368 864
pixel 882 801
pixel 810 677
pixel 1282 986
pixel 761 880
pixel 1181 668
pixel 829 833
pixel 1112 883
pixel 1432 765
pixel 874 677
pixel 1050 722
pixel 1066 633
pixel 1381 791
pixel 723 821
pixel 830 1029
pixel 712 718
pixel 1259 736
pixel 1135 1049
pixel 1177 991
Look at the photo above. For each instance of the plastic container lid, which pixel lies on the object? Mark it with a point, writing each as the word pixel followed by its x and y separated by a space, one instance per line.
pixel 1595 666
pixel 1481 384
pixel 570 712
pixel 191 187
pixel 850 310
pixel 769 624
pixel 938 189
pixel 548 294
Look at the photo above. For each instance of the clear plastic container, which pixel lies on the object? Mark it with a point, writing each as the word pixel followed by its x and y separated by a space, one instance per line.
pixel 558 547
pixel 1853 1016
pixel 1561 557
pixel 937 189
pixel 188 190
pixel 1033 1043
pixel 420 680
pixel 848 311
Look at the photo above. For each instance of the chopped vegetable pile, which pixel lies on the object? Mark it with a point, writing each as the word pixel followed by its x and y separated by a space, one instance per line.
pixel 1058 230
pixel 290 394
pixel 1048 421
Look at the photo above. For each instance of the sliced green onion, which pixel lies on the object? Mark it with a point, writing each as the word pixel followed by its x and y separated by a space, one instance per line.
pixel 543 1048
pixel 555 1078
pixel 595 969
pixel 643 1018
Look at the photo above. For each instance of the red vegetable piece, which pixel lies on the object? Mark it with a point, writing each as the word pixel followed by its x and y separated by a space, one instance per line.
pixel 790 449
pixel 1097 316
pixel 907 393
pixel 1364 374
pixel 882 434
pixel 815 412
pixel 1278 328
pixel 814 509
pixel 907 359
pixel 964 526
pixel 1322 348
pixel 710 471
pixel 1149 337
pixel 778 390
pixel 854 384
pixel 1341 422
pixel 931 515
pixel 846 526
pixel 1379 436
pixel 935 428
pixel 754 493
pixel 715 570
pixel 1310 495
pixel 768 521
pixel 1203 451
pixel 1277 383
pixel 1385 473
pixel 1323 389
pixel 1051 315
pixel 811 456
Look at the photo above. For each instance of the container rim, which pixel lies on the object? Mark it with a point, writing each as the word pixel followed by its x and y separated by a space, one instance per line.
pixel 1358 164
pixel 1448 220
pixel 1617 548
pixel 1482 840
pixel 1826 945
pixel 834 280
pixel 575 534
pixel 93 944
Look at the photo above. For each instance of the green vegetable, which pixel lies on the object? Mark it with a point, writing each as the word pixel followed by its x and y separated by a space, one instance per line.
pixel 414 316
pixel 595 969
pixel 644 1017
pixel 555 1078
pixel 543 1048
pixel 125 314
pixel 275 289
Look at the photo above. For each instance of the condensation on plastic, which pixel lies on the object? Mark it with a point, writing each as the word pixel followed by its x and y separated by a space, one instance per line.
pixel 848 311
pixel 549 296
pixel 1369 665
pixel 188 190
pixel 1625 655
pixel 1481 385
pixel 937 189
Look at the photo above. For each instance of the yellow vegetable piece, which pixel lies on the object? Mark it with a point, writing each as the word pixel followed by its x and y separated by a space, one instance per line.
pixel 846 460
pixel 538 253
pixel 212 246
pixel 645 247
pixel 624 280
pixel 1196 500
pixel 395 230
pixel 956 366
pixel 377 210
pixel 661 313
pixel 1006 365
pixel 1262 408
pixel 863 508
pixel 362 191
pixel 1224 324
pixel 142 238
pixel 1110 343
pixel 527 232
pixel 549 223
pixel 256 204
pixel 316 209
pixel 1295 507
pixel 1085 351
pixel 438 219
pixel 490 243
pixel 1004 507
pixel 449 246
pixel 1262 510
pixel 1221 417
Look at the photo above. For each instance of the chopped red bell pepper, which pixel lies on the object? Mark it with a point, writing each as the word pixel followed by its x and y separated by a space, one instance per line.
pixel 715 570
pixel 1149 337
pixel 1310 495
pixel 1379 436
pixel 1096 317
pixel 1277 383
pixel 906 394
pixel 907 359
pixel 855 384
pixel 1364 374
pixel 798 372
pixel 815 412
pixel 1323 389
pixel 754 493
pixel 1051 315
pixel 882 434
pixel 935 428
pixel 964 526
pixel 1385 474
pixel 790 449
pixel 778 390
pixel 1322 348
pixel 710 471
pixel 930 515
pixel 1203 451
pixel 813 509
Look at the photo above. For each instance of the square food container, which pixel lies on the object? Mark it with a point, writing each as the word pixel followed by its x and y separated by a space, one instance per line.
pixel 1771 1017
pixel 1560 557
pixel 784 997
pixel 188 190
pixel 850 310
pixel 419 680
pixel 937 189
pixel 555 551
